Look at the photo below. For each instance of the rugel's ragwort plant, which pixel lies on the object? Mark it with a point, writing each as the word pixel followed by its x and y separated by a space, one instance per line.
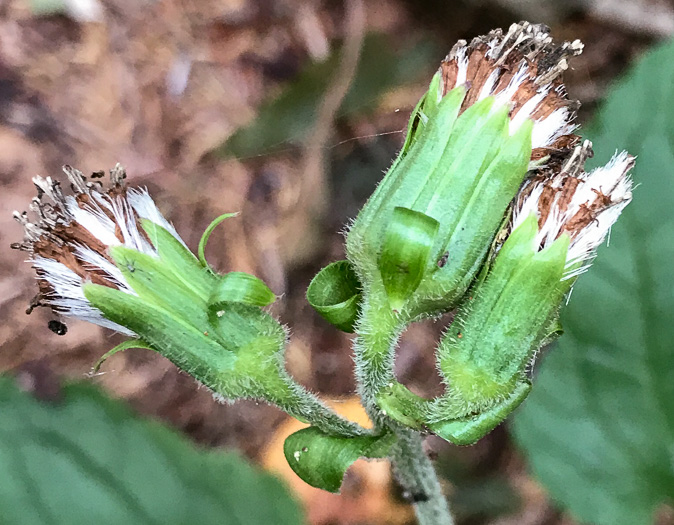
pixel 487 210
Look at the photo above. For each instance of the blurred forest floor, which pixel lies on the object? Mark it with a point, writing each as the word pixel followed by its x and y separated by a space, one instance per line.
pixel 161 86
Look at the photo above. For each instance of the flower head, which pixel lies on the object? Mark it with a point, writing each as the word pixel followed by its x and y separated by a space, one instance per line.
pixel 560 217
pixel 582 205
pixel 522 69
pixel 496 113
pixel 70 237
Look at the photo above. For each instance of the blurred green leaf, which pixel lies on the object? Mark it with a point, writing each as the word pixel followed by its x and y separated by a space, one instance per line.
pixel 48 7
pixel 87 459
pixel 288 118
pixel 598 427
pixel 478 494
pixel 484 498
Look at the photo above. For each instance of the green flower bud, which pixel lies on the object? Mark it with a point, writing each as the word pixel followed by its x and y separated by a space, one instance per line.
pixel 496 113
pixel 111 258
pixel 558 222
pixel 470 142
pixel 486 350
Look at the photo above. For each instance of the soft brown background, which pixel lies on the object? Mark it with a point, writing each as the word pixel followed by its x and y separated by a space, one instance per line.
pixel 158 86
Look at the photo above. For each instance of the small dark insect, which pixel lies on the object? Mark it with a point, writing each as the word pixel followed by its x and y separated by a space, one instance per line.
pixel 57 327
pixel 419 497
pixel 443 260
pixel 416 497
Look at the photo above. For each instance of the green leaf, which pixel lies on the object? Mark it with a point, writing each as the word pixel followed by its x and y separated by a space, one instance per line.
pixel 87 459
pixel 335 294
pixel 289 117
pixel 321 460
pixel 598 427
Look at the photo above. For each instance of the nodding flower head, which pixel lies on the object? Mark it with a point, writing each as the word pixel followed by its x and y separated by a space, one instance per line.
pixel 496 113
pixel 521 69
pixel 568 200
pixel 560 217
pixel 105 254
pixel 70 235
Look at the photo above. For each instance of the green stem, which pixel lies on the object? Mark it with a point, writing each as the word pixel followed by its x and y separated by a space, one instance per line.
pixel 416 474
pixel 298 402
pixel 378 332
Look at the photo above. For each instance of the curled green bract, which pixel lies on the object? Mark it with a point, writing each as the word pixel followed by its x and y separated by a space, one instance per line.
pixel 335 293
pixel 131 343
pixel 240 287
pixel 201 250
pixel 321 460
pixel 405 253
pixel 469 429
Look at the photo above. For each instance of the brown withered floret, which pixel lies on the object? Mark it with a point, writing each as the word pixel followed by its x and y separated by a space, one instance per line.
pixel 56 234
pixel 525 47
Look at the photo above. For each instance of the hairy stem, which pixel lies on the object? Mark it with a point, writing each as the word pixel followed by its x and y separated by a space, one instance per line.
pixel 277 387
pixel 378 334
pixel 416 474
pixel 298 402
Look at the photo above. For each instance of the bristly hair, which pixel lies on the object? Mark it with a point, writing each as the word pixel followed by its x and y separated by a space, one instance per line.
pixel 69 239
pixel 521 68
pixel 580 204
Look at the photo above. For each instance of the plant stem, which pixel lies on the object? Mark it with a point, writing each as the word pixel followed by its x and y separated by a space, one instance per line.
pixel 416 474
pixel 276 386
pixel 378 334
pixel 298 402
